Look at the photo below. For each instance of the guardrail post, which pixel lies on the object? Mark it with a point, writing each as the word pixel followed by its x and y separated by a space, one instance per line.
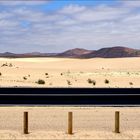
pixel 25 123
pixel 70 123
pixel 117 122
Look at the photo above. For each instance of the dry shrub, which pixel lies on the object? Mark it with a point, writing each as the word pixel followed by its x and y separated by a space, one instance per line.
pixel 40 81
pixel 106 81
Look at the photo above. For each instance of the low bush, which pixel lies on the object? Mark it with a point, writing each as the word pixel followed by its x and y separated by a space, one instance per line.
pixel 10 65
pixel 25 78
pixel 94 82
pixel 106 81
pixel 69 83
pixel 130 83
pixel 89 81
pixel 40 81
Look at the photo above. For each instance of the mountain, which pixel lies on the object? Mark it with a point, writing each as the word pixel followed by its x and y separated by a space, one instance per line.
pixel 37 54
pixel 77 52
pixel 114 52
pixel 24 55
pixel 8 54
pixel 111 52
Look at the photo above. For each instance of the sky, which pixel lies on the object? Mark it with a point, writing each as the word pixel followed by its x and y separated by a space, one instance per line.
pixel 58 25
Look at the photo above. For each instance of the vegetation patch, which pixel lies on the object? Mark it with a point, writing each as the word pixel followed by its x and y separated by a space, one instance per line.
pixel 10 65
pixel 130 83
pixel 106 81
pixel 94 82
pixel 40 81
pixel 25 78
pixel 3 65
pixel 69 82
pixel 90 81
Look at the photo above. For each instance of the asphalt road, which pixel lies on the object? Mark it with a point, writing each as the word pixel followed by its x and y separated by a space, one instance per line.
pixel 70 96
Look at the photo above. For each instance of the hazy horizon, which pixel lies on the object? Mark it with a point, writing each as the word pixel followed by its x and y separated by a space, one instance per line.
pixel 56 26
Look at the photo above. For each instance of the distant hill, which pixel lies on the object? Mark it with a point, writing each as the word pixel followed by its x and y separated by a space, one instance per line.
pixel 77 52
pixel 24 55
pixel 114 52
pixel 111 52
pixel 7 54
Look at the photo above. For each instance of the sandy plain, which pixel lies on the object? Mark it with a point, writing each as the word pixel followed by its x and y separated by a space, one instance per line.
pixel 64 72
pixel 50 123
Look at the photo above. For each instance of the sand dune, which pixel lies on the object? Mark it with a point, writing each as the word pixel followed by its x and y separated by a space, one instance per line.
pixel 121 72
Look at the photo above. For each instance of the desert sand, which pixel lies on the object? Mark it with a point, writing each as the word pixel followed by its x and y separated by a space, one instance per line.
pixel 68 72
pixel 50 122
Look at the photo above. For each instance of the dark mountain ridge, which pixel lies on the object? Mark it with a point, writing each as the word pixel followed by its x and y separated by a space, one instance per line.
pixel 110 52
pixel 114 52
pixel 77 52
